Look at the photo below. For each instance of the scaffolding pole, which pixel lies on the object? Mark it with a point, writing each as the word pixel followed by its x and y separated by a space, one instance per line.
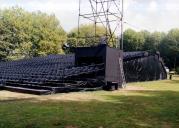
pixel 105 13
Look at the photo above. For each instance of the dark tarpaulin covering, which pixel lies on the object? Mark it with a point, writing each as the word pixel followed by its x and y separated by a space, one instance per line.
pixel 134 55
pixel 90 55
pixel 102 54
pixel 113 71
pixel 143 66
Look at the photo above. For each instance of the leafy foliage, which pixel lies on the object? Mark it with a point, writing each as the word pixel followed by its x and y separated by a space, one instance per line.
pixel 169 48
pixel 87 36
pixel 22 33
pixel 167 44
pixel 153 40
pixel 133 41
pixel 177 70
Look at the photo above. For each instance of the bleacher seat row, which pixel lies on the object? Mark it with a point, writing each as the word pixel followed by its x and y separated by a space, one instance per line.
pixel 39 75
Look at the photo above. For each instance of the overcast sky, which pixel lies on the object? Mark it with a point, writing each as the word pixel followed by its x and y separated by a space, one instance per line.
pixel 152 15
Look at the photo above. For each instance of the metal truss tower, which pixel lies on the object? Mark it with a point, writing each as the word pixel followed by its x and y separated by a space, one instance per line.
pixel 106 13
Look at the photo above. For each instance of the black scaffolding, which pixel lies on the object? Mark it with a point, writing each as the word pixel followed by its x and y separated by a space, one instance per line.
pixel 106 13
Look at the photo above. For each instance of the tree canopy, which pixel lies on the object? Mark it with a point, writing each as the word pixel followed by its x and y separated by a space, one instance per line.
pixel 26 34
pixel 166 43
pixel 169 48
pixel 87 36
pixel 133 41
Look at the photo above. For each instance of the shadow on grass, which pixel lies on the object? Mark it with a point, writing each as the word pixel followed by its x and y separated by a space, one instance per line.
pixel 155 107
pixel 141 109
pixel 10 99
pixel 173 81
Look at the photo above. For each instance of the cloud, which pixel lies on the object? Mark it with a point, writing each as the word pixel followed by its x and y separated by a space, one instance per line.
pixel 66 11
pixel 153 6
pixel 153 15
pixel 172 5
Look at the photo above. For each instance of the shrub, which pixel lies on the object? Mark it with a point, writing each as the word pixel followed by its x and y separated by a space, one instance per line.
pixel 177 70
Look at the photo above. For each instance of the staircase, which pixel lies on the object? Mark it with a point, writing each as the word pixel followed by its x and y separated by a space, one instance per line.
pixel 25 87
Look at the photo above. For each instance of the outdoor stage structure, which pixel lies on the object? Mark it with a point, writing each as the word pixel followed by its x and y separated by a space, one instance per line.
pixel 86 68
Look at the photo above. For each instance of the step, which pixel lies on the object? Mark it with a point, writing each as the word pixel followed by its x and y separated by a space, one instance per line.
pixel 30 86
pixel 22 82
pixel 1 87
pixel 66 89
pixel 28 90
pixel 46 85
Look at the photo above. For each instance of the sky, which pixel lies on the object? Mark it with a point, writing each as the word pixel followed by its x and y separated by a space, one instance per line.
pixel 151 15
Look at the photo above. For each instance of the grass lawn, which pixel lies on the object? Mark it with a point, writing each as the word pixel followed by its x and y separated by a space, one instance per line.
pixel 141 105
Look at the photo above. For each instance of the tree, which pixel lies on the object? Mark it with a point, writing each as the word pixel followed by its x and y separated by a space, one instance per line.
pixel 22 33
pixel 8 39
pixel 133 41
pixel 153 40
pixel 169 48
pixel 87 36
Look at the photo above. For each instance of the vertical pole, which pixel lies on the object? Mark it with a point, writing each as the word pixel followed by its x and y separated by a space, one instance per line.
pixel 107 35
pixel 175 61
pixel 107 19
pixel 95 22
pixel 122 25
pixel 78 23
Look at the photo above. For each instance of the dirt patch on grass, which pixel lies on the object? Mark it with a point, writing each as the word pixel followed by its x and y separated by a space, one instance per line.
pixel 134 88
pixel 6 95
pixel 75 96
pixel 70 127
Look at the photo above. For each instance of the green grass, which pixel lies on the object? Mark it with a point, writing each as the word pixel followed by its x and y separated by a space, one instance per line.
pixel 166 85
pixel 155 106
